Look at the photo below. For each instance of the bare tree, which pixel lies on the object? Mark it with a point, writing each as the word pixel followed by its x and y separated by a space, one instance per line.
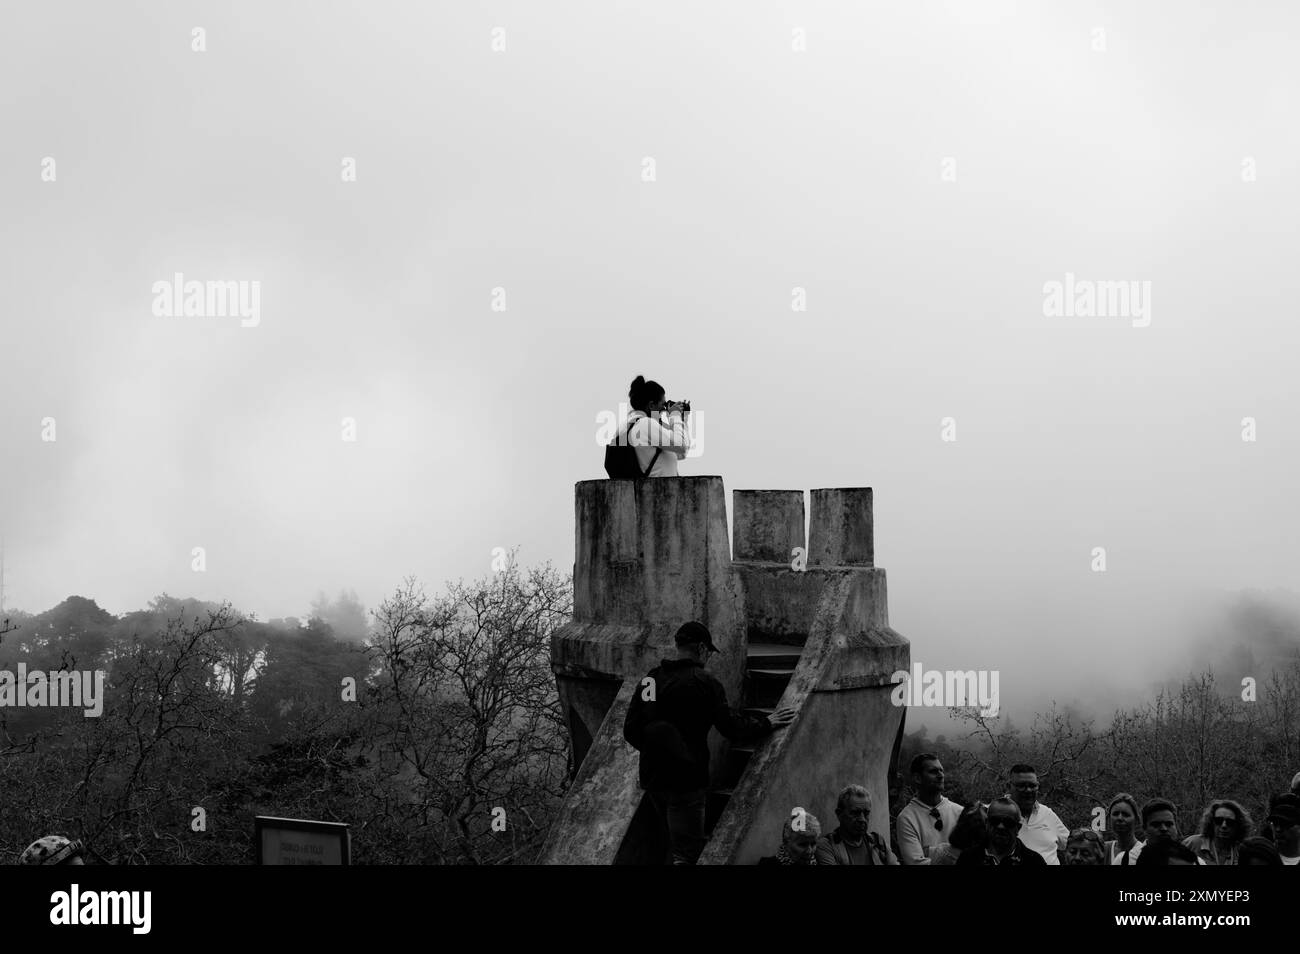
pixel 125 782
pixel 466 706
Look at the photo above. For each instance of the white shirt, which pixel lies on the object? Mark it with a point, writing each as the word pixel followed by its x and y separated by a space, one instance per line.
pixel 917 837
pixel 1043 831
pixel 647 435
pixel 1117 856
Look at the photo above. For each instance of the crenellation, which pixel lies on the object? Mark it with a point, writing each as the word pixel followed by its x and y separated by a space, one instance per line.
pixel 841 532
pixel 767 525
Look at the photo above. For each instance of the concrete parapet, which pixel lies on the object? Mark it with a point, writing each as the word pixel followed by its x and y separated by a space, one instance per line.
pixel 840 531
pixel 766 525
pixel 653 553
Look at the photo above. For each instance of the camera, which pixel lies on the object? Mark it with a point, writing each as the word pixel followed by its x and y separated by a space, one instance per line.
pixel 682 406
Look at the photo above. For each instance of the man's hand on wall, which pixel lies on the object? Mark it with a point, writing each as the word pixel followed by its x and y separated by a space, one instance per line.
pixel 781 718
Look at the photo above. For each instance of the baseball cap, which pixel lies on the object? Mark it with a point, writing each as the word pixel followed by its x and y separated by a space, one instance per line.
pixel 1285 809
pixel 694 632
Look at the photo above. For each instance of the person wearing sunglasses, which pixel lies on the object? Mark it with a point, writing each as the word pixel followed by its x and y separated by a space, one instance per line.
pixel 1003 848
pixel 1224 826
pixel 1043 830
pixel 927 821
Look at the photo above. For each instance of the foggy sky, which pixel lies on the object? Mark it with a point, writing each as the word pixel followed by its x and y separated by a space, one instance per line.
pixel 775 169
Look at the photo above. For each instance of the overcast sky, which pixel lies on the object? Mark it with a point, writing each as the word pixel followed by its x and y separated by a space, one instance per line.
pixel 1162 149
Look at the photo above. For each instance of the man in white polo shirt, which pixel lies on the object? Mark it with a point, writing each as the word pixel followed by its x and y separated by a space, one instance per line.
pixel 1042 830
pixel 927 821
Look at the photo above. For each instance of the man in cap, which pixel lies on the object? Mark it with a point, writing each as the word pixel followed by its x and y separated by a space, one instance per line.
pixel 1284 818
pixel 668 722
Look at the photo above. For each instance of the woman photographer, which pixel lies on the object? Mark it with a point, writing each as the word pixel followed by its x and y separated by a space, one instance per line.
pixel 656 429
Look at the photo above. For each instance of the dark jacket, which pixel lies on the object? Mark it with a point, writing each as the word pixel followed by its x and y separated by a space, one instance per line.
pixel 1020 856
pixel 672 732
pixel 831 850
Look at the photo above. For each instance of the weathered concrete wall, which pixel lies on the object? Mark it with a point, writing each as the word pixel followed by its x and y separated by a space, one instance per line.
pixel 766 525
pixel 846 725
pixel 585 701
pixel 649 556
pixel 841 531
pixel 779 602
pixel 840 738
pixel 598 809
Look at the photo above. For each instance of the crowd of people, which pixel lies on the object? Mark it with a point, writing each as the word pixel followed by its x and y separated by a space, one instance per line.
pixel 1017 829
pixel 668 722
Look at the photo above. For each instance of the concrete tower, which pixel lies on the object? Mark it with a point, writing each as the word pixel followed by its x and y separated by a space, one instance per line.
pixel 652 554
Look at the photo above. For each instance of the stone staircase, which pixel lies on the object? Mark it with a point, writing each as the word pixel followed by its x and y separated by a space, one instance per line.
pixel 768 668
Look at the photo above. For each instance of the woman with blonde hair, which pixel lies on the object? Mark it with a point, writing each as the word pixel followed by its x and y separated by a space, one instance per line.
pixel 1122 818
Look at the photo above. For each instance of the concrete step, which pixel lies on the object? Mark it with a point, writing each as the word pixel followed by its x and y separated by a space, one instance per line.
pixel 772 656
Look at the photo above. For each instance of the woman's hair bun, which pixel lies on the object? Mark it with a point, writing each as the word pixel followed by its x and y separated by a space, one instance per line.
pixel 643 392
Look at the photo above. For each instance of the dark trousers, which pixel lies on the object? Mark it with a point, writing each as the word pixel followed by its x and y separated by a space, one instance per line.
pixel 682 815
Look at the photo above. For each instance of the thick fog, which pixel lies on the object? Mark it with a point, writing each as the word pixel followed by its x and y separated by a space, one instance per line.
pixel 914 175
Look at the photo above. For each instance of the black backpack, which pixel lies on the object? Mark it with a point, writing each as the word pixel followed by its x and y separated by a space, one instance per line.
pixel 649 733
pixel 621 462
